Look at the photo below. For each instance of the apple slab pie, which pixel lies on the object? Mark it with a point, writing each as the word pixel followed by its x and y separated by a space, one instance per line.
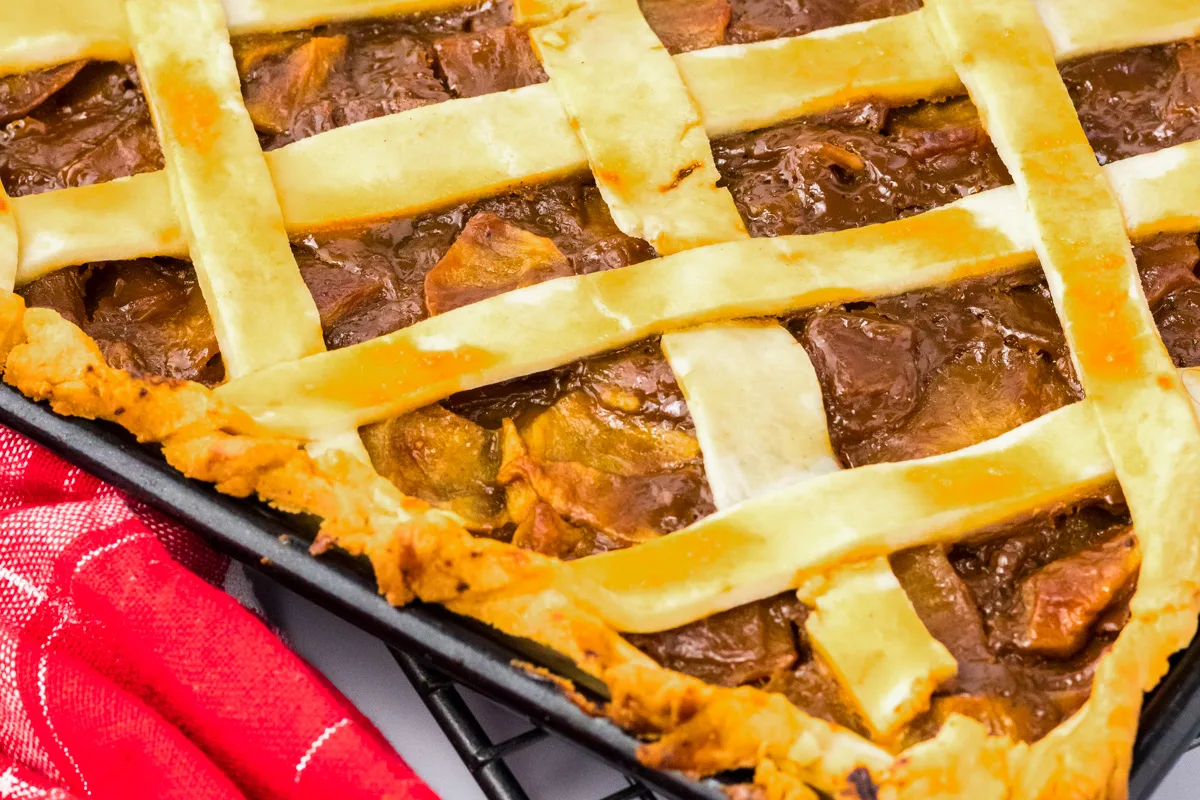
pixel 812 373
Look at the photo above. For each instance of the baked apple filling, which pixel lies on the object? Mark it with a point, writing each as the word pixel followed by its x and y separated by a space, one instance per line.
pixel 601 454
pixel 73 125
pixel 307 82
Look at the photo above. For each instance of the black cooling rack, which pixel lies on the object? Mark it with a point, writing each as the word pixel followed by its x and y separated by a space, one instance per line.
pixel 484 758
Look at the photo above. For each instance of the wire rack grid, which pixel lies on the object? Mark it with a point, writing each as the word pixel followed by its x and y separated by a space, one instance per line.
pixel 484 758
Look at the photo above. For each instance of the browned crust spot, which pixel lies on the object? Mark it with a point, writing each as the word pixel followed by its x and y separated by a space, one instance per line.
pixel 681 176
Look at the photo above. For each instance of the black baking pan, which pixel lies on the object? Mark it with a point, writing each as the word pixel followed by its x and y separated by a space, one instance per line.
pixel 473 654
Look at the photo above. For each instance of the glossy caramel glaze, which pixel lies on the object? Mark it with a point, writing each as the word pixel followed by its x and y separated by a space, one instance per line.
pixel 95 128
pixel 1137 101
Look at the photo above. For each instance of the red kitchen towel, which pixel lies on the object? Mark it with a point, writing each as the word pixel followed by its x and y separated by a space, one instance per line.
pixel 125 672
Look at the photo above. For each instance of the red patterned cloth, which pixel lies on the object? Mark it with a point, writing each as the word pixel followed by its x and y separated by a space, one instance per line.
pixel 125 672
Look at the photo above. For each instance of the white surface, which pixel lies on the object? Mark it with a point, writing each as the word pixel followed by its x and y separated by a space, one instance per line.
pixel 361 667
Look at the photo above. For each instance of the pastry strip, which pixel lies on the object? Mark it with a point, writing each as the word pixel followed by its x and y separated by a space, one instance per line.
pixel 258 16
pixel 262 311
pixel 1082 27
pixel 1145 412
pixel 756 403
pixel 128 218
pixel 1149 425
pixel 426 158
pixel 261 308
pixel 122 219
pixel 42 33
pixel 892 677
pixel 747 86
pixel 645 142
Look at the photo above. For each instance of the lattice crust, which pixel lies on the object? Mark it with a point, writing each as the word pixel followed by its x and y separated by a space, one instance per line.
pixel 653 164
pixel 442 154
pixel 422 552
pixel 811 524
